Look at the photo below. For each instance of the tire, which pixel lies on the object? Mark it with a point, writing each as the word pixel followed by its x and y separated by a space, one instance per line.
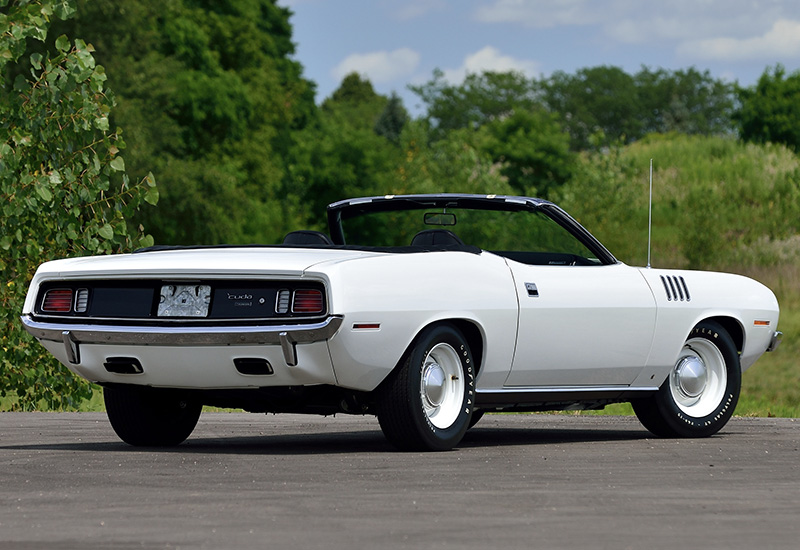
pixel 476 417
pixel 147 417
pixel 426 404
pixel 700 394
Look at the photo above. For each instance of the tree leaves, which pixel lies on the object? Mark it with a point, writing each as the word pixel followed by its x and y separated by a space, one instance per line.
pixel 118 164
pixel 63 189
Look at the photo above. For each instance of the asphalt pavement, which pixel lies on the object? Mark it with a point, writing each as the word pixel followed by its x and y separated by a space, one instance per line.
pixel 301 482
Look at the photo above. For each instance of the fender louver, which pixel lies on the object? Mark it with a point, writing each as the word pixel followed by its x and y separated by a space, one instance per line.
pixel 676 288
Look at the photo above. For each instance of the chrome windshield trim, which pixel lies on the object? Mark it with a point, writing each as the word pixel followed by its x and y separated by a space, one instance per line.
pixel 183 335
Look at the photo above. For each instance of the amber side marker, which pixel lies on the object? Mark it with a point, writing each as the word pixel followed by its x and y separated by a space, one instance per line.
pixel 758 323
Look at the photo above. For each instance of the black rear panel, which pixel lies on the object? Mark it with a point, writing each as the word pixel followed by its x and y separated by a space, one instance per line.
pixel 227 300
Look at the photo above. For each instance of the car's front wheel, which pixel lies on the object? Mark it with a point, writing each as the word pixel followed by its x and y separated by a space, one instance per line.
pixel 149 417
pixel 702 390
pixel 426 404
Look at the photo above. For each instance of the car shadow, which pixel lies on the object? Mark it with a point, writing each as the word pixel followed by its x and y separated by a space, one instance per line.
pixel 347 442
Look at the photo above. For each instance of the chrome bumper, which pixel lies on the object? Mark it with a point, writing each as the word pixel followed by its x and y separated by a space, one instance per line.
pixel 287 336
pixel 775 341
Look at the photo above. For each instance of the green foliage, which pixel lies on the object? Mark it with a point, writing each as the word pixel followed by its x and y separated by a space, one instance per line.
pixel 532 150
pixel 717 202
pixel 63 188
pixel 684 101
pixel 213 104
pixel 341 155
pixel 481 98
pixel 770 111
pixel 525 141
pixel 618 107
pixel 597 99
pixel 392 119
pixel 454 164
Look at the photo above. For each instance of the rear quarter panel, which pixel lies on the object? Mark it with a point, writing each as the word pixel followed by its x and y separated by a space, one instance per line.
pixel 404 293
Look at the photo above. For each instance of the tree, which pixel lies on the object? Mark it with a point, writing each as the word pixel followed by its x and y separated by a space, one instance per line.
pixel 481 98
pixel 340 155
pixel 770 111
pixel 212 101
pixel 392 119
pixel 684 101
pixel 532 150
pixel 598 100
pixel 603 106
pixel 63 186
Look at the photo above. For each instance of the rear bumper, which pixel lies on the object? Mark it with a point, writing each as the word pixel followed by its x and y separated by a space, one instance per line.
pixel 72 336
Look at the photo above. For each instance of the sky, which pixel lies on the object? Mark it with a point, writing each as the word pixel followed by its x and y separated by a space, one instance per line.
pixel 395 43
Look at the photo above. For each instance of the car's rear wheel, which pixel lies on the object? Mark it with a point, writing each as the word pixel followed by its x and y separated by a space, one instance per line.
pixel 149 417
pixel 702 390
pixel 426 404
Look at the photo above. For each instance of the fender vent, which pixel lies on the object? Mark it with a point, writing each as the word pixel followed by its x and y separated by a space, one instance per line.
pixel 676 288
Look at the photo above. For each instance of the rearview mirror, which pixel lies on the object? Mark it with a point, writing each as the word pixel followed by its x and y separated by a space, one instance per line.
pixel 439 218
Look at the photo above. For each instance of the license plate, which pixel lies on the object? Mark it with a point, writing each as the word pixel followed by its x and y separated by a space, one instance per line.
pixel 184 301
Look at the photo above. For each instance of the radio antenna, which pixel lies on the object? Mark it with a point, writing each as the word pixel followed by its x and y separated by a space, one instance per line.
pixel 650 217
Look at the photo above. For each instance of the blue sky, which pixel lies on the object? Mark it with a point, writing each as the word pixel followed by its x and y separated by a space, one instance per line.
pixel 399 42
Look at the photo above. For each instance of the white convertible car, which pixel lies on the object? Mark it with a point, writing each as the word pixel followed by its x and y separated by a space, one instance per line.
pixel 425 310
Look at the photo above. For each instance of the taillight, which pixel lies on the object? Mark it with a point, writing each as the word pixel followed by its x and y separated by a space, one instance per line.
pixel 307 301
pixel 57 301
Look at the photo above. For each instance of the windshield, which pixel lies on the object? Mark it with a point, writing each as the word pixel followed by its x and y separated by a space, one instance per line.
pixel 528 236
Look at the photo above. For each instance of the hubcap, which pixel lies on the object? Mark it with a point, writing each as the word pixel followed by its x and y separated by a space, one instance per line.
pixel 433 384
pixel 698 381
pixel 691 374
pixel 442 385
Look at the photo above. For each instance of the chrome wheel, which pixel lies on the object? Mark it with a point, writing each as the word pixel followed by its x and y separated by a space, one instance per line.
pixel 442 385
pixel 698 381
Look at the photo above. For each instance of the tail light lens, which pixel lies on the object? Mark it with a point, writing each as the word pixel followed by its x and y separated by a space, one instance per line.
pixel 308 301
pixel 57 301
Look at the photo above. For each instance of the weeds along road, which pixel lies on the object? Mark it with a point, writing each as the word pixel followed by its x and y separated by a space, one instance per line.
pixel 516 481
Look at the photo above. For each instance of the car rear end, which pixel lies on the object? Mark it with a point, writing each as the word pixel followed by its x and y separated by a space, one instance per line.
pixel 210 319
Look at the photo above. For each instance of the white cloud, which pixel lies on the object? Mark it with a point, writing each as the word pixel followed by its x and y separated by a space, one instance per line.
pixel 380 67
pixel 782 40
pixel 490 59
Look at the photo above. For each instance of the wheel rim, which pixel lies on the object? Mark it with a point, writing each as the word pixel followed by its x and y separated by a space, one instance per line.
pixel 699 379
pixel 442 385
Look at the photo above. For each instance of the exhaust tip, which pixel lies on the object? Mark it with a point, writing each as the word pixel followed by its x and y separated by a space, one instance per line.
pixel 253 366
pixel 123 365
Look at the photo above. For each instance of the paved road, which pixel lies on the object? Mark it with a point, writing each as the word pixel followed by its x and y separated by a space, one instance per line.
pixel 517 481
